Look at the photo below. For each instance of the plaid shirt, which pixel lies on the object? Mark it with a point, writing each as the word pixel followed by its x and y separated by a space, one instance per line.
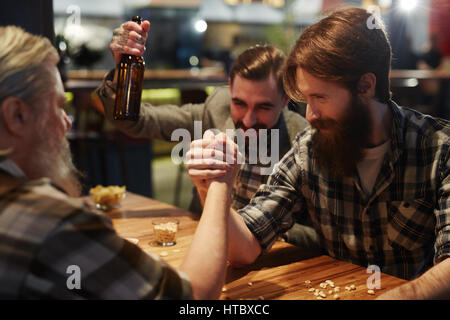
pixel 403 226
pixel 43 232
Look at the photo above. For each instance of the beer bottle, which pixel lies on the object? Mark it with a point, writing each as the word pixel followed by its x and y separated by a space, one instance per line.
pixel 129 85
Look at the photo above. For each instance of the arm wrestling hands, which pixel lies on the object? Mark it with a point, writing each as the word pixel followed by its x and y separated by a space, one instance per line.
pixel 213 160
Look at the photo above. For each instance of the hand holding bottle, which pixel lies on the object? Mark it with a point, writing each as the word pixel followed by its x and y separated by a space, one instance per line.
pixel 130 68
pixel 129 38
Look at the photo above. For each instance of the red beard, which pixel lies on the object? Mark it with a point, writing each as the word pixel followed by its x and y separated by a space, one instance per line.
pixel 340 148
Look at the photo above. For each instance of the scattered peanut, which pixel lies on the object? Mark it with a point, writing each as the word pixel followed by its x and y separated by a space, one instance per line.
pixel 370 291
pixel 164 254
pixel 133 240
pixel 336 296
pixel 311 289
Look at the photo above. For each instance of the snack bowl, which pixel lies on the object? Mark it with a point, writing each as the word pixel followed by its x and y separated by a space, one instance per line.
pixel 107 198
pixel 165 230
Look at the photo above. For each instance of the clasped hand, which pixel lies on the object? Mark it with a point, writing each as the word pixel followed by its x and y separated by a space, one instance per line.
pixel 213 158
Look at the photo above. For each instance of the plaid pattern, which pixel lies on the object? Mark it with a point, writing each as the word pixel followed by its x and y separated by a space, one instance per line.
pixel 43 232
pixel 403 226
pixel 247 183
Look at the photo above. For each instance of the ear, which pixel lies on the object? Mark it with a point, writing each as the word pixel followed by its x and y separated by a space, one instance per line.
pixel 16 115
pixel 285 100
pixel 367 84
pixel 229 83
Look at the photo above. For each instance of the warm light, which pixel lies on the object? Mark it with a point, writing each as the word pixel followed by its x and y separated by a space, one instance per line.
pixel 62 46
pixel 385 3
pixel 408 5
pixel 232 2
pixel 273 3
pixel 276 3
pixel 200 26
pixel 193 61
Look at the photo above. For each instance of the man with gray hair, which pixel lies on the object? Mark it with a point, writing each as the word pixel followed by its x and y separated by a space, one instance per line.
pixel 45 232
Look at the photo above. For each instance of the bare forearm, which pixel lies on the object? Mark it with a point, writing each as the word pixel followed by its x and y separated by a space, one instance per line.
pixel 433 284
pixel 202 195
pixel 205 262
pixel 243 247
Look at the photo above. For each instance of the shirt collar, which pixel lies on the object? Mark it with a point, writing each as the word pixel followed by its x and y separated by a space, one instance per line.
pixel 397 131
pixel 11 167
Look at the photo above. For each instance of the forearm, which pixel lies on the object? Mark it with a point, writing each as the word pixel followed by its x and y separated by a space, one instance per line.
pixel 243 247
pixel 202 192
pixel 433 284
pixel 205 263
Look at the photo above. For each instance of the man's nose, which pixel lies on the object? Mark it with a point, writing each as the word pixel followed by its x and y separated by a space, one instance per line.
pixel 312 113
pixel 249 119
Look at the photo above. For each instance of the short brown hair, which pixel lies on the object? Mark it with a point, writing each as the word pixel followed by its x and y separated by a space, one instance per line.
pixel 341 48
pixel 258 63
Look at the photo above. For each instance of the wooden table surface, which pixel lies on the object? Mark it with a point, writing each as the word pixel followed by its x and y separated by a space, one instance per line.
pixel 279 274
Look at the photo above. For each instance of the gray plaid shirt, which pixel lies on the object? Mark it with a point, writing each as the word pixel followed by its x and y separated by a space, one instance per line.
pixel 403 226
pixel 43 232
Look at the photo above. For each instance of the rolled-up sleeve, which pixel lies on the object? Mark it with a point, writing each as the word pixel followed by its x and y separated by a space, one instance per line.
pixel 269 213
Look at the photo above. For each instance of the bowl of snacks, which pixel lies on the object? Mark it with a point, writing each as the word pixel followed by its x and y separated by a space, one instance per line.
pixel 107 198
pixel 165 230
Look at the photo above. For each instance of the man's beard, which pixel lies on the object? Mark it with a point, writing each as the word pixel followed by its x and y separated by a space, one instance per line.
pixel 340 150
pixel 54 160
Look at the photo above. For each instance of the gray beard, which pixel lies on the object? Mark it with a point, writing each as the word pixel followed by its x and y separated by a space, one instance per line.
pixel 55 162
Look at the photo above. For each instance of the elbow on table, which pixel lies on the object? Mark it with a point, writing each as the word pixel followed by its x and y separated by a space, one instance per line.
pixel 243 259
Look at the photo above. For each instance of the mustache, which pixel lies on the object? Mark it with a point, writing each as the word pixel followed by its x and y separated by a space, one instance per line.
pixel 240 125
pixel 323 124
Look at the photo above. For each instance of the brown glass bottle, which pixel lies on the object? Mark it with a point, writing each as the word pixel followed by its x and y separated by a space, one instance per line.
pixel 129 85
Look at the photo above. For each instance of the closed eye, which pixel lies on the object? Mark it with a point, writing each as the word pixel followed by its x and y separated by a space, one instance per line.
pixel 265 106
pixel 238 102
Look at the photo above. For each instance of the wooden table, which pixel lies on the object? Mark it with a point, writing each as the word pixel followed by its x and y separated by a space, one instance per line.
pixel 279 274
